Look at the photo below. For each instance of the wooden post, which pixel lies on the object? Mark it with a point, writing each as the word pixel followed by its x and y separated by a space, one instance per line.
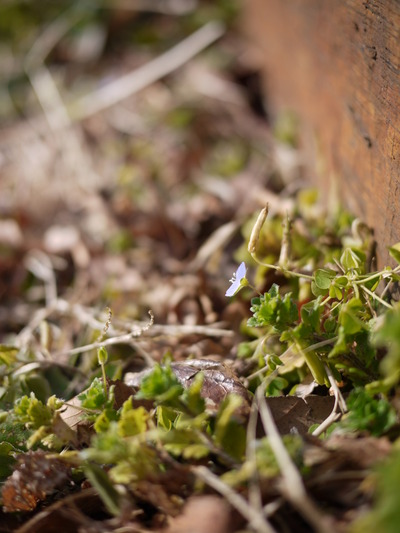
pixel 337 65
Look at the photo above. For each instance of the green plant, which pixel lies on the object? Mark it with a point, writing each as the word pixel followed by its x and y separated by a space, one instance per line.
pixel 334 329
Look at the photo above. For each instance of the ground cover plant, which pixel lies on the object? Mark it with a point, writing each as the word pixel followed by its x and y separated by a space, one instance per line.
pixel 143 387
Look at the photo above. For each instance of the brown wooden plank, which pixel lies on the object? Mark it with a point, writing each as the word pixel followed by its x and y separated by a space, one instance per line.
pixel 337 64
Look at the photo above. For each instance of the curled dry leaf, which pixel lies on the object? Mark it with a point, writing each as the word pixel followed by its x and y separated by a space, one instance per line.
pixel 34 477
pixel 219 380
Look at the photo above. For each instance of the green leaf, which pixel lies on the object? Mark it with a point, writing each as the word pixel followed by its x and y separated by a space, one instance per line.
pixel 107 447
pixel 276 386
pixel 351 259
pixel 274 359
pixel 317 291
pixel 330 325
pixel 394 251
pixel 192 398
pixel 166 417
pixel 385 515
pixel 161 385
pixel 226 411
pixel 132 421
pixel 387 335
pixel 323 277
pixel 311 314
pixel 368 414
pixel 185 442
pixel 102 483
pixel 340 345
pixel 7 459
pixel 273 310
pixel 335 292
pixel 349 316
pixel 317 368
pixel 31 411
pixel 341 281
pixel 94 397
pixel 8 354
pixel 104 420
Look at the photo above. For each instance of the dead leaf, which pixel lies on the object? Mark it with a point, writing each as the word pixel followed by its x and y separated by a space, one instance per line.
pixel 66 515
pixel 34 477
pixel 297 414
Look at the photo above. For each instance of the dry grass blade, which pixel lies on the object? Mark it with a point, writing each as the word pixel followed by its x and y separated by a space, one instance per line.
pixel 257 521
pixel 152 71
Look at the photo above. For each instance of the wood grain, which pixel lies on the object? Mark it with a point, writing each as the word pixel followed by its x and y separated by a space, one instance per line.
pixel 337 65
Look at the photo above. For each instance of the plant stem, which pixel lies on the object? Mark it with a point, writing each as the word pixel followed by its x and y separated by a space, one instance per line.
pixel 103 372
pixel 376 297
pixel 377 274
pixel 281 269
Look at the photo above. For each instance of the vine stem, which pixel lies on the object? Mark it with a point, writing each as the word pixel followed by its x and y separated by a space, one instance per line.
pixel 383 273
pixel 376 297
pixel 281 269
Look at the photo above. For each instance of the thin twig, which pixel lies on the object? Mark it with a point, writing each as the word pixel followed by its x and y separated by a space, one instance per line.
pixel 257 521
pixel 293 486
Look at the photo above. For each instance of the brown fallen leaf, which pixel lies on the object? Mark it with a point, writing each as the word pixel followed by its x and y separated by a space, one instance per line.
pixel 34 477
pixel 297 414
pixel 67 515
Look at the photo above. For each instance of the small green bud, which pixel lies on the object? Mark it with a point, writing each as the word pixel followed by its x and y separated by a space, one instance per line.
pixel 102 355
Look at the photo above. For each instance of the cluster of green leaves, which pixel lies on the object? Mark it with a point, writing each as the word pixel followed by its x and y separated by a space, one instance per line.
pixel 132 438
pixel 367 413
pixel 333 320
pixel 273 310
pixel 333 317
pixel 385 515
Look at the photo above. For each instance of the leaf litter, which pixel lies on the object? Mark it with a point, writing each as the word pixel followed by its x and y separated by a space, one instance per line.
pixel 216 414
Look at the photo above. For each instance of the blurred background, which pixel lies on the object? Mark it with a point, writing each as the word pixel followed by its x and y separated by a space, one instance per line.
pixel 135 152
